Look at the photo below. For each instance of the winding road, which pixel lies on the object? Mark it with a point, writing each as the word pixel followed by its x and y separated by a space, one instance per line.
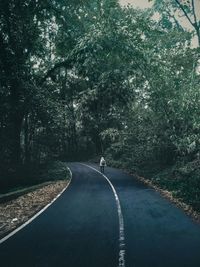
pixel 109 220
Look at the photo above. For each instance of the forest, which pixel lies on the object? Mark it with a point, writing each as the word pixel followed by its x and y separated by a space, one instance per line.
pixel 85 78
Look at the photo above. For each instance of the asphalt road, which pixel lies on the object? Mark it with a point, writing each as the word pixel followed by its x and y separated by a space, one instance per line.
pixel 98 222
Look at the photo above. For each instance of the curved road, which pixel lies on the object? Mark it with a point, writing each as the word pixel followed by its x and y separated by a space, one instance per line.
pixel 105 221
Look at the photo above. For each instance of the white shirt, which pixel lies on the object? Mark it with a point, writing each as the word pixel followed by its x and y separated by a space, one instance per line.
pixel 102 160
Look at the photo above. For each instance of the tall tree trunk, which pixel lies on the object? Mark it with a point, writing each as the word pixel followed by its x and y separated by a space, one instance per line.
pixel 197 28
pixel 74 132
pixel 16 140
pixel 98 143
pixel 16 121
pixel 26 140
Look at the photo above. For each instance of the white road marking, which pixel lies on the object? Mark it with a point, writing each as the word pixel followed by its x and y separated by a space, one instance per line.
pixel 36 215
pixel 122 250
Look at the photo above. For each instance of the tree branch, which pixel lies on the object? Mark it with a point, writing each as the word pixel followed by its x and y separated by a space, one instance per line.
pixel 175 20
pixel 185 13
pixel 195 16
pixel 196 24
pixel 65 64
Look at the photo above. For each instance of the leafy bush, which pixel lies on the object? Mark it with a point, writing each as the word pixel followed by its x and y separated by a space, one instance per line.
pixel 183 182
pixel 50 171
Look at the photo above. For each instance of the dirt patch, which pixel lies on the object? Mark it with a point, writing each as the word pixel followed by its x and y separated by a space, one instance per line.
pixel 15 212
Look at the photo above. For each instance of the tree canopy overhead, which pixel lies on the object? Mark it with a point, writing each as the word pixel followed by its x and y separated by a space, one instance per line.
pixel 82 78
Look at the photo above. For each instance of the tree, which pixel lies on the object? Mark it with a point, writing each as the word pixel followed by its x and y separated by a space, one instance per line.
pixel 189 9
pixel 172 11
pixel 18 37
pixel 77 78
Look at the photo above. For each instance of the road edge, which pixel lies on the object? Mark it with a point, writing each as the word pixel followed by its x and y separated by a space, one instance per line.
pixel 186 208
pixel 37 214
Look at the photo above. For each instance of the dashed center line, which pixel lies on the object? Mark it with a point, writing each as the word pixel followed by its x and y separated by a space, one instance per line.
pixel 122 250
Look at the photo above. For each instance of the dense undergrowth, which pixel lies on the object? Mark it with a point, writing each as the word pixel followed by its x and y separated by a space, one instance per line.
pixel 34 175
pixel 182 180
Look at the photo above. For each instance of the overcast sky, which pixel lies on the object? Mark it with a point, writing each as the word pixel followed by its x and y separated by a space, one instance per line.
pixel 137 3
pixel 146 4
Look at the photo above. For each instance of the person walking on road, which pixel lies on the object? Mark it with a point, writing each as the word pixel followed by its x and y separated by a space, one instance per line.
pixel 102 164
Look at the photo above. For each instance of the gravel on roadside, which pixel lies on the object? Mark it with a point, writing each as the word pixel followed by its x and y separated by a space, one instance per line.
pixel 16 212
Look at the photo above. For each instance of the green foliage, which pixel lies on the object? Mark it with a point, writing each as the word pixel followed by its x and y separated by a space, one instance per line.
pixel 183 181
pixel 53 171
pixel 34 175
pixel 82 78
pixel 179 14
